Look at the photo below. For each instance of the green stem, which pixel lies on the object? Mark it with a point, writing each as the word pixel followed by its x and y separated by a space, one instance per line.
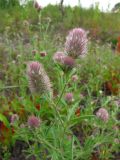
pixel 10 87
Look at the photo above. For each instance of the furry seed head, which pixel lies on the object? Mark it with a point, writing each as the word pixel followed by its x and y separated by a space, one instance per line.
pixel 39 82
pixel 76 43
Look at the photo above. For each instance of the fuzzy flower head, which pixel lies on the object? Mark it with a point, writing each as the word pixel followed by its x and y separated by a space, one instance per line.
pixel 69 62
pixel 69 97
pixel 59 57
pixel 76 43
pixel 102 113
pixel 33 121
pixel 14 118
pixel 37 6
pixel 39 82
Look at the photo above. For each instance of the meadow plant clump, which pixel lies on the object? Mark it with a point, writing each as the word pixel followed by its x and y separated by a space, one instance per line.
pixel 72 128
pixel 76 43
pixel 39 81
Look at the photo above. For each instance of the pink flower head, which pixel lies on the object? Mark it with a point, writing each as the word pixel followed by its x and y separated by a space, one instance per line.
pixel 76 43
pixel 59 57
pixel 33 121
pixel 69 61
pixel 34 68
pixel 69 97
pixel 37 6
pixel 102 113
pixel 74 78
pixel 14 118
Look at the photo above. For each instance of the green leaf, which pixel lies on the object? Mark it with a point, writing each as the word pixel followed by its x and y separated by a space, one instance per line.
pixel 4 120
pixel 71 112
pixel 79 119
